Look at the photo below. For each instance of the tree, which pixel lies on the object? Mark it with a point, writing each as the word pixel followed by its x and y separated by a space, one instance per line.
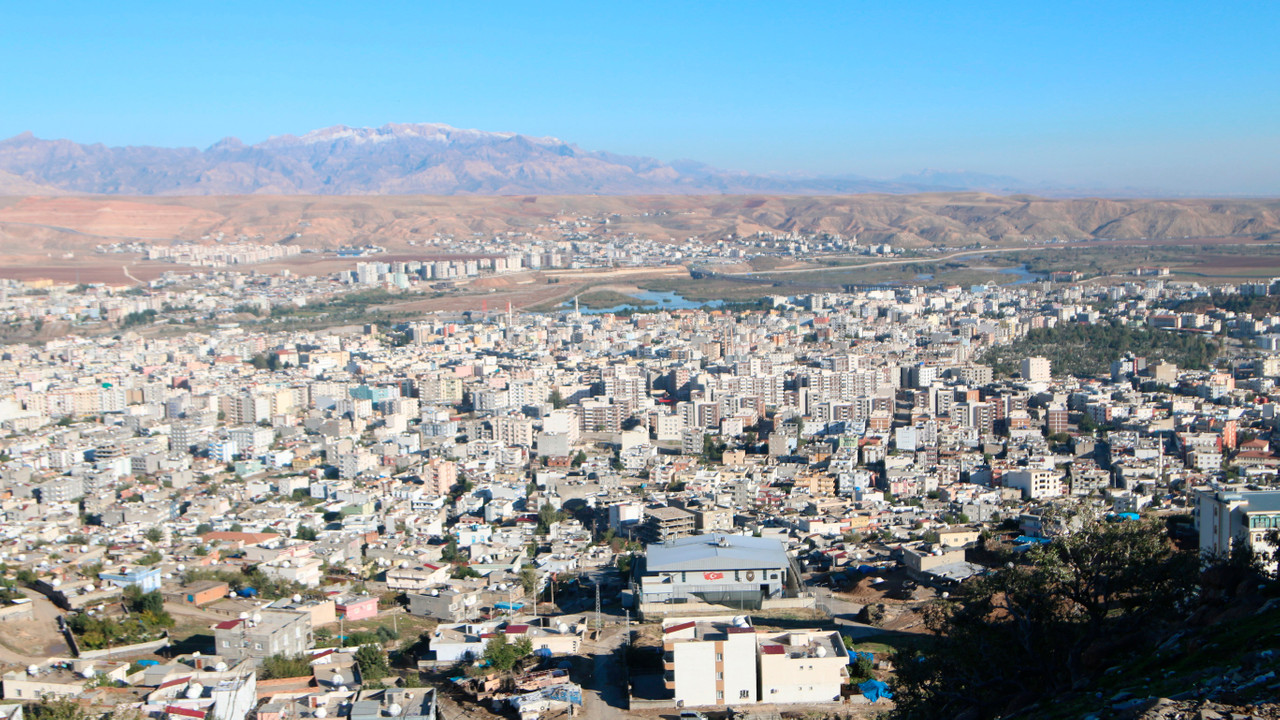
pixel 503 656
pixel 529 579
pixel 580 458
pixel 548 515
pixel 57 708
pixel 1025 632
pixel 449 553
pixel 556 399
pixel 154 534
pixel 284 666
pixel 372 662
pixel 306 532
pixel 204 529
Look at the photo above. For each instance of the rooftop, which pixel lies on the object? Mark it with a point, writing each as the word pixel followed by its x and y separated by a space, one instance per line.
pixel 715 552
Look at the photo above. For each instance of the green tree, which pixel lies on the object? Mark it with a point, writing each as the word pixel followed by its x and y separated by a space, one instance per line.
pixel 372 662
pixel 556 399
pixel 1025 632
pixel 154 534
pixel 548 515
pixel 529 579
pixel 57 708
pixel 449 553
pixel 284 666
pixel 503 656
pixel 204 529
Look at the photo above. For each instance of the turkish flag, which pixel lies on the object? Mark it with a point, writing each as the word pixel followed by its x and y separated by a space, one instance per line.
pixel 713 575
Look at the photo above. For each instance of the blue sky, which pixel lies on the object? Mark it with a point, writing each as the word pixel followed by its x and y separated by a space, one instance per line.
pixel 1176 96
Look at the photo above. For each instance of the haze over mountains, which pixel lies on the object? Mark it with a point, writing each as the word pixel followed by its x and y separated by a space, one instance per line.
pixel 404 159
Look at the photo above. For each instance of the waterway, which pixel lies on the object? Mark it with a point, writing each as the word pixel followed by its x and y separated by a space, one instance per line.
pixel 656 301
pixel 1023 274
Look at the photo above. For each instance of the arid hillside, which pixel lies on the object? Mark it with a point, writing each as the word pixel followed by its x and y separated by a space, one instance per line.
pixel 33 224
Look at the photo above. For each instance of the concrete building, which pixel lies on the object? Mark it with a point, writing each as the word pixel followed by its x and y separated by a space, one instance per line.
pixel 710 661
pixel 802 666
pixel 1226 517
pixel 723 569
pixel 1036 369
pixel 145 578
pixel 666 523
pixel 263 634
pixel 58 677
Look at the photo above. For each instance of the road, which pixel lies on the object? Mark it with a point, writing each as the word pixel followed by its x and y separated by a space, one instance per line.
pixel 602 675
pixel 41 635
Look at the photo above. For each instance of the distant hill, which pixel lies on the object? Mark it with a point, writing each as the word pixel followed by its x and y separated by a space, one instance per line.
pixel 398 222
pixel 405 159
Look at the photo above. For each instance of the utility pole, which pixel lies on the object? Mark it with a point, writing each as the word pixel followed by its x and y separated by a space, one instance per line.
pixel 597 609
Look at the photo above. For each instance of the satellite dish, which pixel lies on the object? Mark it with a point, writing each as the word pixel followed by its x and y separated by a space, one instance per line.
pixel 195 654
pixel 395 709
pixel 194 691
pixel 821 652
pixel 244 616
pixel 321 712
pixel 257 618
pixel 33 669
pixel 297 597
pixel 220 667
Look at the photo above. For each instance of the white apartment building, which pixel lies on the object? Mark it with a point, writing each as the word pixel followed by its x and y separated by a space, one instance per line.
pixel 1227 516
pixel 724 661
pixel 1035 483
pixel 1036 369
pixel 710 661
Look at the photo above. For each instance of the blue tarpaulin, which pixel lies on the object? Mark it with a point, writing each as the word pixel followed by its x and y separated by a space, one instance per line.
pixel 1026 540
pixel 873 690
pixel 866 569
pixel 854 656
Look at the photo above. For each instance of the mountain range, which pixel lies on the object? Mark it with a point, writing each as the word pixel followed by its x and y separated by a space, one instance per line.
pixel 409 159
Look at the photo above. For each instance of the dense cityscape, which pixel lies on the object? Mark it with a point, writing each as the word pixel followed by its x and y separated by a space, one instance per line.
pixel 228 520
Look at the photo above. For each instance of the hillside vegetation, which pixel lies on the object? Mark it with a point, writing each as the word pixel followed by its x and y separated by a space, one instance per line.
pixel 1088 350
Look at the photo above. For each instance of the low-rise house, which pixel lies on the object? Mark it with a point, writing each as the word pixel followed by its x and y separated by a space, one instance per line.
pixel 263 634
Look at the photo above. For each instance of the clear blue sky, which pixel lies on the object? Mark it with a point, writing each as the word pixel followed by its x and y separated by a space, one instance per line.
pixel 1181 96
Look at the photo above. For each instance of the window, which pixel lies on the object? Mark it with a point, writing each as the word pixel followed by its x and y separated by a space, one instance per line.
pixel 719 657
pixel 744 694
pixel 720 676
pixel 719 694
